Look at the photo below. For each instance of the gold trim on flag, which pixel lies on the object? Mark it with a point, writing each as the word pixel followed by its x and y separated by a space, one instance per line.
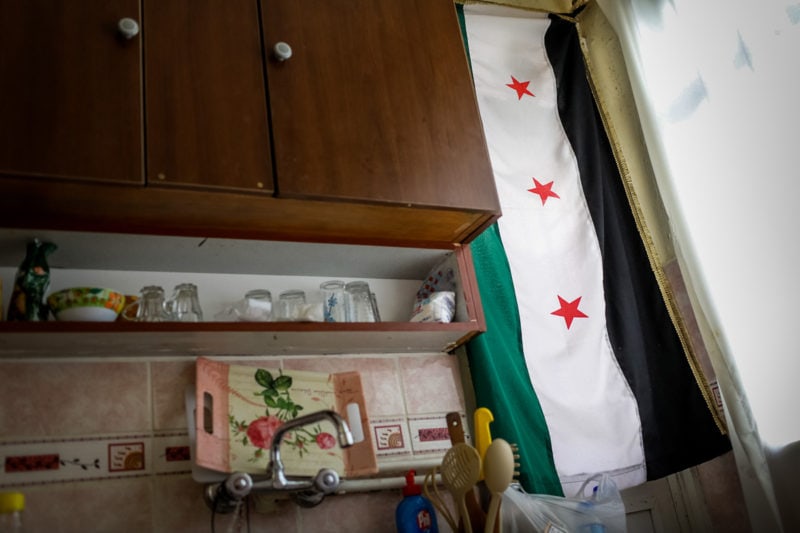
pixel 610 87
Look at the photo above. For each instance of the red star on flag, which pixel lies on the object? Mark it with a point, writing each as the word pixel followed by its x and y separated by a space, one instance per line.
pixel 544 191
pixel 569 310
pixel 520 86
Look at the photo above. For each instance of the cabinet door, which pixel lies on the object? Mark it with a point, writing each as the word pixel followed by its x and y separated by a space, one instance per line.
pixel 205 95
pixel 70 98
pixel 376 103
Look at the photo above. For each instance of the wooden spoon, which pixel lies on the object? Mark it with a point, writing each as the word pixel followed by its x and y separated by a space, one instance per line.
pixel 461 468
pixel 498 472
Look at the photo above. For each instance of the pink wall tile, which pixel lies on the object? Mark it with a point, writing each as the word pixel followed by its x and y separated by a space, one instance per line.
pixel 382 392
pixel 179 505
pixel 120 505
pixel 431 384
pixel 354 512
pixel 169 382
pixel 73 398
pixel 271 512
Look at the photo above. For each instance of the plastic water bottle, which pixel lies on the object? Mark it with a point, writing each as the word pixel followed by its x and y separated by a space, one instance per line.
pixel 12 504
pixel 591 527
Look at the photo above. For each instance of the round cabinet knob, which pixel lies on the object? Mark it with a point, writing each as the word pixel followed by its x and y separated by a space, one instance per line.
pixel 282 51
pixel 128 28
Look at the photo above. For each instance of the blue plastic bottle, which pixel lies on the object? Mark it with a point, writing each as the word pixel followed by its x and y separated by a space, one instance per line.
pixel 415 513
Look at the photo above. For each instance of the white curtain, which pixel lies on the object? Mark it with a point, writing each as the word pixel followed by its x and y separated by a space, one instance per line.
pixel 716 86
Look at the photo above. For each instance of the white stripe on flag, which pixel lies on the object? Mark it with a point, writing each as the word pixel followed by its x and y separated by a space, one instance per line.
pixel 553 252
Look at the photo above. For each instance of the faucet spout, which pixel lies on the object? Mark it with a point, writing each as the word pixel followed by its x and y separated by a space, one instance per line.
pixel 324 480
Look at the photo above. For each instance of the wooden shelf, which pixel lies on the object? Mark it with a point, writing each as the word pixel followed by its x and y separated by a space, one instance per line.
pixel 224 260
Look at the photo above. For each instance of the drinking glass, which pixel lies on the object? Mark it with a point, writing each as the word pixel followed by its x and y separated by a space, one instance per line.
pixel 151 307
pixel 334 301
pixel 185 305
pixel 257 306
pixel 291 305
pixel 362 306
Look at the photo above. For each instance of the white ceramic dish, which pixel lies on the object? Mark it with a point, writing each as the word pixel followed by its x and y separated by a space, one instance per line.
pixel 86 304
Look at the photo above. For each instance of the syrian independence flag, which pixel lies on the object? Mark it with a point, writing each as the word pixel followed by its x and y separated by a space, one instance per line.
pixel 581 365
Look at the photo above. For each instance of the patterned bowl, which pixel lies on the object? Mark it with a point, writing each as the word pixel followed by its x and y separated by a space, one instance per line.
pixel 88 304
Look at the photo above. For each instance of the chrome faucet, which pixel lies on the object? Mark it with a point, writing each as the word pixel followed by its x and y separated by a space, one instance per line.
pixel 327 479
pixel 224 497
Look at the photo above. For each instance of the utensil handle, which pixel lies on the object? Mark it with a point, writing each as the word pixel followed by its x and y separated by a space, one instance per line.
pixel 462 506
pixel 493 515
pixel 436 500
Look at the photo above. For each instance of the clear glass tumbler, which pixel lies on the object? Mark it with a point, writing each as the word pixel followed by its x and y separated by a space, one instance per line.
pixel 334 301
pixel 291 305
pixel 185 305
pixel 362 306
pixel 151 307
pixel 257 306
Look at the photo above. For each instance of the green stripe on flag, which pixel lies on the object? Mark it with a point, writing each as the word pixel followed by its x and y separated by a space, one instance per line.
pixel 499 373
pixel 497 362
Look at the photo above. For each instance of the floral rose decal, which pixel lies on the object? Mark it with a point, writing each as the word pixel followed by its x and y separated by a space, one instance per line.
pixel 279 408
pixel 261 430
pixel 325 441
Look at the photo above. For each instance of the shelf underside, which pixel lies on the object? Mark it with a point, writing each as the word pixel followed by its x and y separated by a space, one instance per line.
pixel 24 340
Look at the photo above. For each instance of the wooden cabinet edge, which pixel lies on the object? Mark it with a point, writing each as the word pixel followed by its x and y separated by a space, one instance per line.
pixel 43 204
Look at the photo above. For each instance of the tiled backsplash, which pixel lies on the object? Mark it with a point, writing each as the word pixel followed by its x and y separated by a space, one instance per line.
pixel 103 445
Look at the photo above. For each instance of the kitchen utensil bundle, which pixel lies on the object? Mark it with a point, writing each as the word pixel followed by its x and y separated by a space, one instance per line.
pixel 464 468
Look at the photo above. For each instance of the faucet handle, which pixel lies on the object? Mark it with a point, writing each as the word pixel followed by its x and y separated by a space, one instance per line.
pixel 327 480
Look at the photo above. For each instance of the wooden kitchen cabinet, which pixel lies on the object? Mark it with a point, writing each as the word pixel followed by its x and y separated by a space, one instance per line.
pixel 70 103
pixel 206 111
pixel 77 98
pixel 372 122
pixel 375 104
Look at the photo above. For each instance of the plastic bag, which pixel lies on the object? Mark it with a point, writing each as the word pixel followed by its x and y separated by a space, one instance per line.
pixel 602 512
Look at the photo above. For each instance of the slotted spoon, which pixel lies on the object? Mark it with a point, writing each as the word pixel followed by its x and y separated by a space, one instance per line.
pixel 461 469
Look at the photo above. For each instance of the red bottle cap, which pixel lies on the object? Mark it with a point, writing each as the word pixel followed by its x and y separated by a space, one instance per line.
pixel 411 488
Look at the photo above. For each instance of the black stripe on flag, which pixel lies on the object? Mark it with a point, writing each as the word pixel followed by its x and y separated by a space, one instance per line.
pixel 678 428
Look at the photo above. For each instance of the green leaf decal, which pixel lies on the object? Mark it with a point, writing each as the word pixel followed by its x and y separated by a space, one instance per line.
pixel 283 383
pixel 264 378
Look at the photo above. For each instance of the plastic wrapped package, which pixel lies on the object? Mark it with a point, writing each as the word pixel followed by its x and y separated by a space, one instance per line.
pixel 602 512
pixel 435 300
pixel 438 307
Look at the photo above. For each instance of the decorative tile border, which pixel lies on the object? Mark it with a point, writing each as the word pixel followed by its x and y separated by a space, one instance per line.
pixel 429 434
pixel 92 458
pixel 107 457
pixel 391 437
pixel 172 454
